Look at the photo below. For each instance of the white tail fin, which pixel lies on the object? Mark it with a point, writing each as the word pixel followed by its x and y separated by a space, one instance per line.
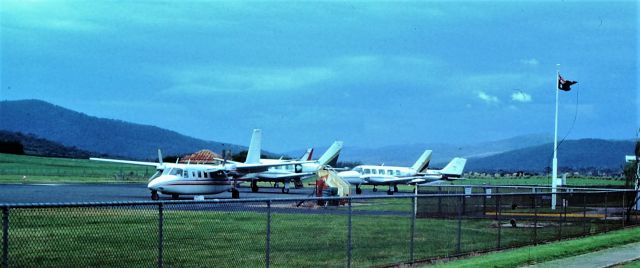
pixel 253 155
pixel 454 168
pixel 307 156
pixel 423 161
pixel 330 157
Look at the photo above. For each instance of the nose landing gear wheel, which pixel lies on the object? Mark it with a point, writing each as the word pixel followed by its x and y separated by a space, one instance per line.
pixel 375 189
pixel 154 195
pixel 235 194
pixel 254 187
pixel 358 190
pixel 389 192
pixel 395 188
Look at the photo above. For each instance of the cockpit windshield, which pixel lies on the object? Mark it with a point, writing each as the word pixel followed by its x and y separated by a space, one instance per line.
pixel 357 169
pixel 172 171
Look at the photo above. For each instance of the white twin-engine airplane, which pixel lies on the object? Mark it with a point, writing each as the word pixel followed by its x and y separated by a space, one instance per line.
pixel 392 176
pixel 197 179
pixel 286 171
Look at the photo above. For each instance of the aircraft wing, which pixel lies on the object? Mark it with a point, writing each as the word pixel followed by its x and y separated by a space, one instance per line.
pixel 254 168
pixel 277 177
pixel 141 163
pixel 228 161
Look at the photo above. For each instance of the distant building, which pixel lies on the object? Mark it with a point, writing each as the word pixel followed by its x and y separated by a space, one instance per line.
pixel 202 156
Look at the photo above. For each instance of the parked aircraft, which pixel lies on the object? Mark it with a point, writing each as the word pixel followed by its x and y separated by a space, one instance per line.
pixel 392 175
pixel 287 171
pixel 198 179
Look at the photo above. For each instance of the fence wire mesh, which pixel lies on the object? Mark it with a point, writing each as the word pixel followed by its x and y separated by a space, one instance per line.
pixel 310 232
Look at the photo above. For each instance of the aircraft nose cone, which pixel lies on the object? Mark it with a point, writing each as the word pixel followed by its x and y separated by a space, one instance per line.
pixel 157 183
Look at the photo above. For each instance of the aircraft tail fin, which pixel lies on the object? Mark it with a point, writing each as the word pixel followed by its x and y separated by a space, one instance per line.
pixel 423 161
pixel 455 168
pixel 253 154
pixel 330 157
pixel 307 156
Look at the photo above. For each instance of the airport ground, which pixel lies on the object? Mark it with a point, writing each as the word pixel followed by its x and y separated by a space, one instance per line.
pixel 110 192
pixel 376 238
pixel 620 248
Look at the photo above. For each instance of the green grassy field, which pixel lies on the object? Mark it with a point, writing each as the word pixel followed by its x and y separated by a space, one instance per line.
pixel 235 236
pixel 536 254
pixel 33 169
pixel 580 181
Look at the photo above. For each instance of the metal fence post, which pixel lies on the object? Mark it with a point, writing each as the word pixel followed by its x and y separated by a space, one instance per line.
pixel 459 234
pixel 160 235
pixel 535 219
pixel 498 214
pixel 439 201
pixel 268 246
pixel 624 208
pixel 413 226
pixel 584 214
pixel 349 228
pixel 5 237
pixel 560 219
pixel 606 211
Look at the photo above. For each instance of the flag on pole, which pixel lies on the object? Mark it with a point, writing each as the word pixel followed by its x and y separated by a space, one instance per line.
pixel 565 84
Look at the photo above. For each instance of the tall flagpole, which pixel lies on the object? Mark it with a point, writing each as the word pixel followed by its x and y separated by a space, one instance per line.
pixel 554 176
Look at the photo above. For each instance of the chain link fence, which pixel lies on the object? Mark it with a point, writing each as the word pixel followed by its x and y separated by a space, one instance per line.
pixel 359 232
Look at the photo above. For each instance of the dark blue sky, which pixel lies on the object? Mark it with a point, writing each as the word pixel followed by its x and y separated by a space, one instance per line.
pixel 369 73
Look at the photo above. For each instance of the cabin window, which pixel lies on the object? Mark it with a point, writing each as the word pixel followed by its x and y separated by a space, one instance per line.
pixel 206 175
pixel 381 171
pixel 199 174
pixel 397 172
pixel 193 174
pixel 389 172
pixel 373 171
pixel 175 171
pixel 367 171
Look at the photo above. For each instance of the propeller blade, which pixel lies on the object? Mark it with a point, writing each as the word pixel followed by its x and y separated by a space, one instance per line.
pixel 160 156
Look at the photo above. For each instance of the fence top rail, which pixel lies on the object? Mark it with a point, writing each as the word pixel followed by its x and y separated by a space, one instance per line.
pixel 524 187
pixel 273 200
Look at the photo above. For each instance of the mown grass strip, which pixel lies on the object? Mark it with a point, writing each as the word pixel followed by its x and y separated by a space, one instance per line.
pixel 541 253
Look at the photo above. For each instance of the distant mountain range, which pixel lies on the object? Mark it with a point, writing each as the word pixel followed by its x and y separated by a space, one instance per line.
pixel 592 154
pixel 69 130
pixel 442 152
pixel 531 153
pixel 32 145
pixel 100 135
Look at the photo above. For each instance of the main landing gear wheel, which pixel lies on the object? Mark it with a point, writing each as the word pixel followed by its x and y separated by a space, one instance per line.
pixel 389 192
pixel 285 190
pixel 395 188
pixel 235 194
pixel 175 196
pixel 358 190
pixel 375 189
pixel 254 187
pixel 154 195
